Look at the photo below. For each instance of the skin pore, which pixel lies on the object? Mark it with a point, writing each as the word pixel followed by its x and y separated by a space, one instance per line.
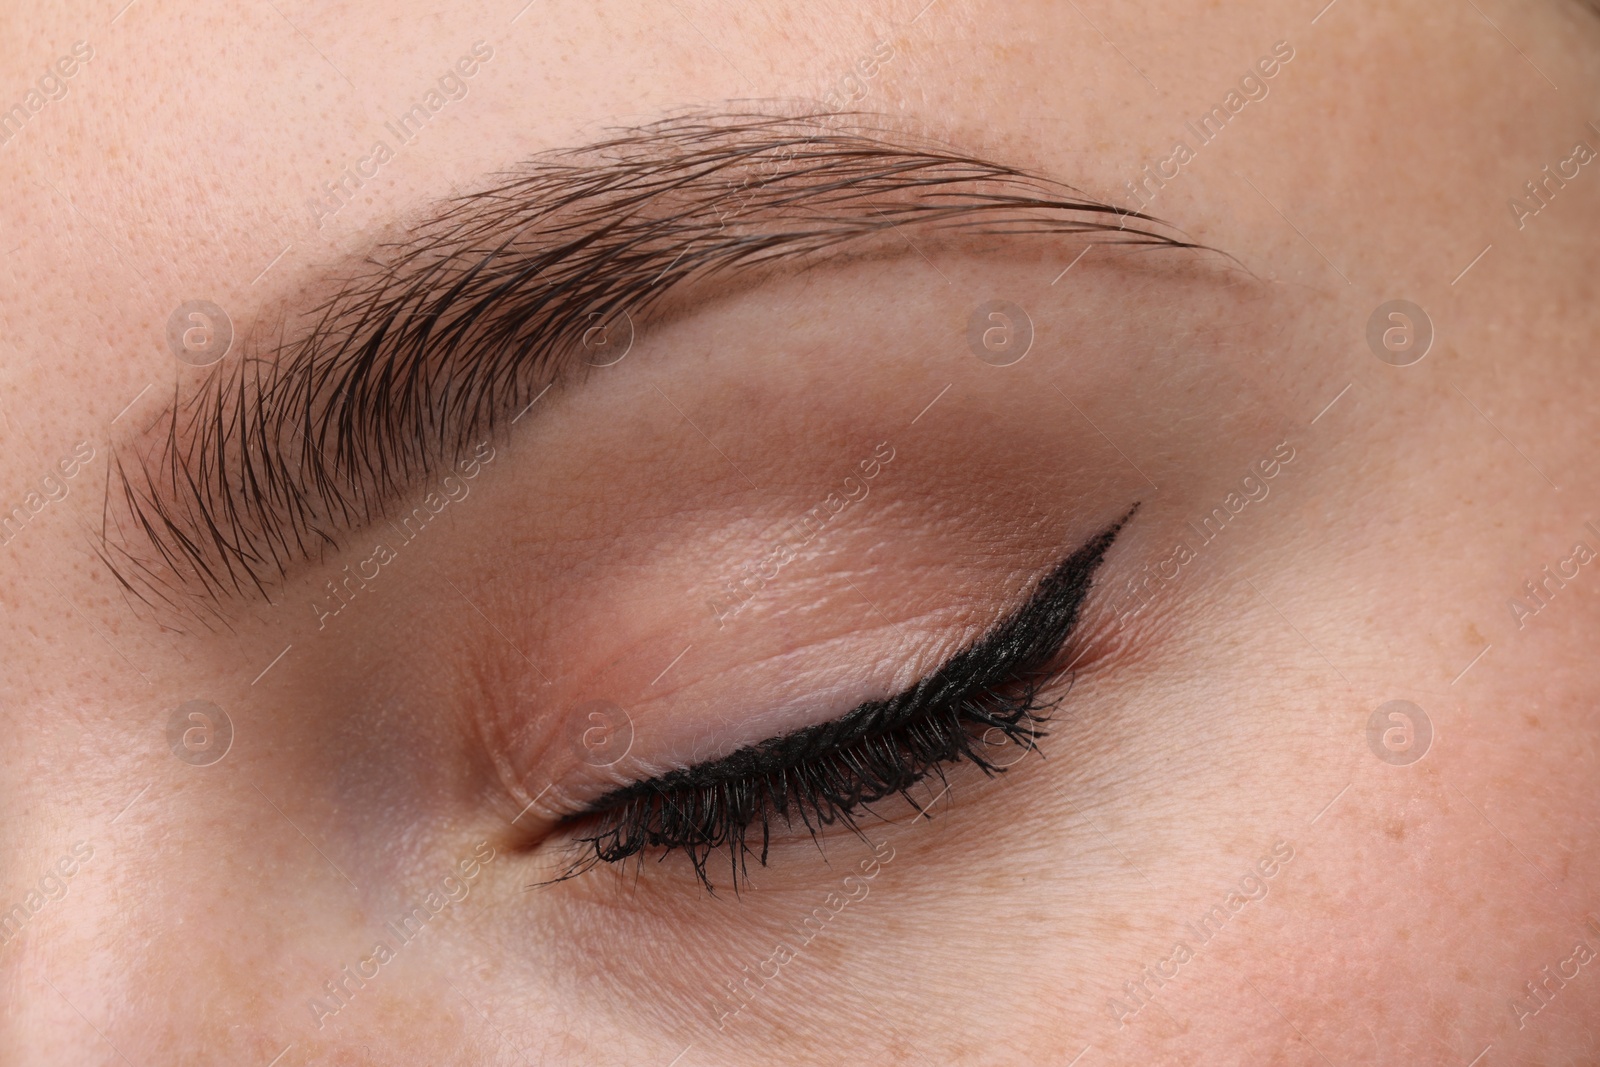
pixel 800 490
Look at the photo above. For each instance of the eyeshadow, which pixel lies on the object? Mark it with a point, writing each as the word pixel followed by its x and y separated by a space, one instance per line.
pixel 821 774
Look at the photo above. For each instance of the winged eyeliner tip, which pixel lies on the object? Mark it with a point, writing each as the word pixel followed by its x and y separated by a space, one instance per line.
pixel 830 772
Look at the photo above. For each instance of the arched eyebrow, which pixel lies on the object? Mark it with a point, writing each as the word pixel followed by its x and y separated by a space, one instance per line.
pixel 392 367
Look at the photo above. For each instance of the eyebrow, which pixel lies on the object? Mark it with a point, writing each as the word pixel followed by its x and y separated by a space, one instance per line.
pixel 399 361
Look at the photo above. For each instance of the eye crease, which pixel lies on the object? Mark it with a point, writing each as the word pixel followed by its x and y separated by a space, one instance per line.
pixel 828 773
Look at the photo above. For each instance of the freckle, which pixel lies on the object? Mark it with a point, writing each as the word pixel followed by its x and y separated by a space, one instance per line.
pixel 1531 720
pixel 1402 934
pixel 1396 829
pixel 1474 636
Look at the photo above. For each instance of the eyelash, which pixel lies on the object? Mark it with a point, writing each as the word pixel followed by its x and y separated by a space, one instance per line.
pixel 830 780
pixel 830 773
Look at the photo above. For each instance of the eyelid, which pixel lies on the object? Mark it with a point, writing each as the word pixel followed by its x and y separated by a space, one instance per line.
pixel 1033 631
pixel 971 688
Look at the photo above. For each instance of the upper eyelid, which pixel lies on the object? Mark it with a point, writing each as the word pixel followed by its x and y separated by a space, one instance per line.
pixel 839 776
pixel 308 436
pixel 1045 620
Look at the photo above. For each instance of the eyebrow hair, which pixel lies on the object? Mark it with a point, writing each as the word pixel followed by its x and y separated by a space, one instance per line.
pixel 405 357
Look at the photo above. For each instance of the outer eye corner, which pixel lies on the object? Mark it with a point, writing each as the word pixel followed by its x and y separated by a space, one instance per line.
pixel 985 705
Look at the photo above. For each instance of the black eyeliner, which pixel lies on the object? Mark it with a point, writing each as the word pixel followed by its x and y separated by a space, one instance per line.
pixel 822 773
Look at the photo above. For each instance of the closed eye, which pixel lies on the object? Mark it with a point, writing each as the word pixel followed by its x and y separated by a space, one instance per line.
pixel 986 696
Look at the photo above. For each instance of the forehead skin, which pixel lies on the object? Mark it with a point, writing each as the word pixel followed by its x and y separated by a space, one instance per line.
pixel 179 165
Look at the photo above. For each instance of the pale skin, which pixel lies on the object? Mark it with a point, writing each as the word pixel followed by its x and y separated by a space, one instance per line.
pixel 1212 757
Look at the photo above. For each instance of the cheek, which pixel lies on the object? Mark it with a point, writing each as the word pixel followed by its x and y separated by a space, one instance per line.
pixel 1362 960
